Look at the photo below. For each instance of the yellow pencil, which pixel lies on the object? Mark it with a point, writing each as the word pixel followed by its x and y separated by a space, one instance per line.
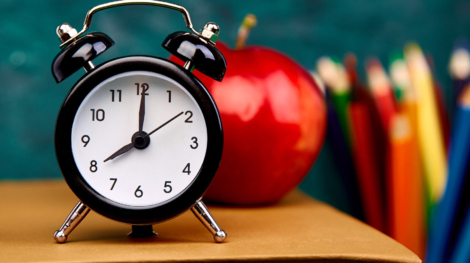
pixel 429 130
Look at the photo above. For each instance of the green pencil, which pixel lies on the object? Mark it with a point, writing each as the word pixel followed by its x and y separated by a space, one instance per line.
pixel 334 75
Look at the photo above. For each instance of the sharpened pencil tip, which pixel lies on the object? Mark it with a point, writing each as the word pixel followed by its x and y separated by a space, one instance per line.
pixel 464 98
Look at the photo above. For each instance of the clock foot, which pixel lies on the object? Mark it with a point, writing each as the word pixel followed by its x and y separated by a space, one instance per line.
pixel 202 213
pixel 75 217
pixel 142 231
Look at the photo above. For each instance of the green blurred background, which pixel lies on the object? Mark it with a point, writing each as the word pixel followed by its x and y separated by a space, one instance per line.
pixel 304 30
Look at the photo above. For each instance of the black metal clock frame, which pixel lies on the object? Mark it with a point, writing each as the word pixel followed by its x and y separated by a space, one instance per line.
pixel 141 214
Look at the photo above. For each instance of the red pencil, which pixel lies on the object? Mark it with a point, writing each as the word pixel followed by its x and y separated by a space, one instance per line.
pixel 382 92
pixel 366 164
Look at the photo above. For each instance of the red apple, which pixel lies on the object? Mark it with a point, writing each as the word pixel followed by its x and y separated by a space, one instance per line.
pixel 274 120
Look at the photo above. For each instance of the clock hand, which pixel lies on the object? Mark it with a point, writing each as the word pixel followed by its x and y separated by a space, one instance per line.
pixel 129 146
pixel 142 111
pixel 161 126
pixel 124 149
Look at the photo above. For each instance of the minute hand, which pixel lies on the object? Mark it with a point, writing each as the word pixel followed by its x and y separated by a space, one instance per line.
pixel 142 112
pixel 161 126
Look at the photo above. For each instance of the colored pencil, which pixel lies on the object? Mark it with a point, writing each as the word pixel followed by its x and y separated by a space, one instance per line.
pixel 444 120
pixel 445 223
pixel 350 64
pixel 381 91
pixel 327 70
pixel 399 76
pixel 384 104
pixel 459 69
pixel 462 251
pixel 368 176
pixel 319 81
pixel 429 130
pixel 405 182
pixel 329 73
pixel 344 162
pixel 366 164
pixel 441 106
pixel 334 76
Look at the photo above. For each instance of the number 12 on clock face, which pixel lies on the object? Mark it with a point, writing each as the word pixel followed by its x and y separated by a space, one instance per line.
pixel 153 129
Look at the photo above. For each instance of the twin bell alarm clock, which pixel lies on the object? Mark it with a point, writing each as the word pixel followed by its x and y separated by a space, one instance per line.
pixel 139 139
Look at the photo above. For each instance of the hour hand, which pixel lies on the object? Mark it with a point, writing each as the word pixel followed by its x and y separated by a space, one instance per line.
pixel 124 149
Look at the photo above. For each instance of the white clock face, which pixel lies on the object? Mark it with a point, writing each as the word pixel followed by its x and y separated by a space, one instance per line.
pixel 108 118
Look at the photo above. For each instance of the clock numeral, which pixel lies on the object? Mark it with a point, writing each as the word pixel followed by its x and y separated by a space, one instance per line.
pixel 169 95
pixel 112 95
pixel 98 115
pixel 85 140
pixel 138 193
pixel 187 169
pixel 144 86
pixel 167 188
pixel 190 113
pixel 93 166
pixel 115 180
pixel 194 142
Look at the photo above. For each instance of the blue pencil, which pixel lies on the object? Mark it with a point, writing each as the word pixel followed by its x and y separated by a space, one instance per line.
pixel 462 252
pixel 444 226
pixel 336 139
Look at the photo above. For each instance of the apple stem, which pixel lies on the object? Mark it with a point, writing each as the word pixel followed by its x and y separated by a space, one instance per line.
pixel 248 23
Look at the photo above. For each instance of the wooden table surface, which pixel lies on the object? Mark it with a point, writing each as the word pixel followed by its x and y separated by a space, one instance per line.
pixel 297 229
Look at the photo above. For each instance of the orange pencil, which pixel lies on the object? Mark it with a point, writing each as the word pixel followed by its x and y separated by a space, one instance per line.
pixel 381 91
pixel 405 182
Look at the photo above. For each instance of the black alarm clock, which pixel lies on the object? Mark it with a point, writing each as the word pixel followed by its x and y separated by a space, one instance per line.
pixel 139 139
